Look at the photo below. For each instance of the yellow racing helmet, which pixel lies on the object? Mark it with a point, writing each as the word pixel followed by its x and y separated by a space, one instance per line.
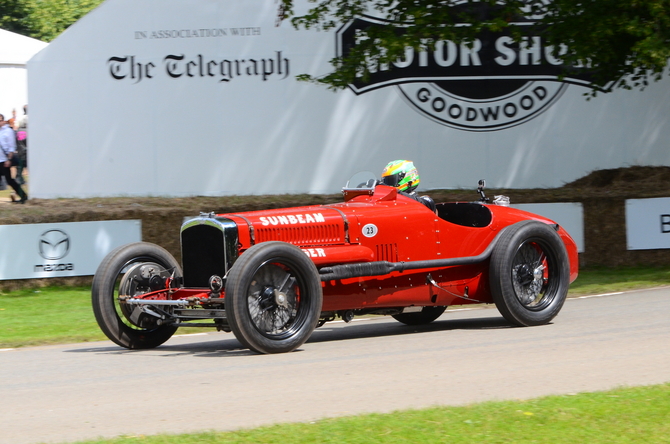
pixel 401 174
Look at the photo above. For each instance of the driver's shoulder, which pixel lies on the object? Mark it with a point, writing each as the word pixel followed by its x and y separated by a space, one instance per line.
pixel 426 200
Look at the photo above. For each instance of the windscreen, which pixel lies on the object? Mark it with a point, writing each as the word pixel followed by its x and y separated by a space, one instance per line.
pixel 362 180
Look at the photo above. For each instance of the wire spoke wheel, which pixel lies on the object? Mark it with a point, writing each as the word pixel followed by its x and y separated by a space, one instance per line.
pixel 529 273
pixel 530 276
pixel 273 297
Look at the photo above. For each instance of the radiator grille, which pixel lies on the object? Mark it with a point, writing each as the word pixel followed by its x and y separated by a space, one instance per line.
pixel 208 247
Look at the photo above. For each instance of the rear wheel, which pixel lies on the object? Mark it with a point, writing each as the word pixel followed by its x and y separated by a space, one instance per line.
pixel 425 316
pixel 128 271
pixel 273 297
pixel 529 273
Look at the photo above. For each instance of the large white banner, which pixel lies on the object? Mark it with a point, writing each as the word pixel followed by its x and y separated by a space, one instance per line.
pixel 199 97
pixel 648 223
pixel 61 249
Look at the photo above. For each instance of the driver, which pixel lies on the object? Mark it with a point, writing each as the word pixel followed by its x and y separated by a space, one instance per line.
pixel 402 175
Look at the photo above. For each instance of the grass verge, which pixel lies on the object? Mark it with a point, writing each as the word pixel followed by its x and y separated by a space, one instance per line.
pixel 50 315
pixel 47 316
pixel 626 415
pixel 58 315
pixel 609 280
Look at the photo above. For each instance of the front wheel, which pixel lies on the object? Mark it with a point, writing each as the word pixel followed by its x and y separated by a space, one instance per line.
pixel 128 271
pixel 529 273
pixel 273 297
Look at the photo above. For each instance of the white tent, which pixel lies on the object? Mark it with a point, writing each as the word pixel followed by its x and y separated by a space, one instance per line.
pixel 15 51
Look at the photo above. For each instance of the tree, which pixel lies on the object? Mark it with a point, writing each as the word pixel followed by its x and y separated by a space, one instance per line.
pixel 624 43
pixel 12 16
pixel 49 18
pixel 43 19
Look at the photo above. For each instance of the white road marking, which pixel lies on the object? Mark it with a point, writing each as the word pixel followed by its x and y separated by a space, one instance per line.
pixel 598 295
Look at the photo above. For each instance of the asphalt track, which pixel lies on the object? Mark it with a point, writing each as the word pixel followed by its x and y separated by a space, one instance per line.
pixel 192 383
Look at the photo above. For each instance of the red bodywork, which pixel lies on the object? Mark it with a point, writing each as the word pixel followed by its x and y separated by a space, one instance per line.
pixel 386 226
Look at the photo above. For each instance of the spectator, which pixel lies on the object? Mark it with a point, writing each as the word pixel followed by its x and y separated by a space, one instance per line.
pixel 12 121
pixel 7 151
pixel 21 127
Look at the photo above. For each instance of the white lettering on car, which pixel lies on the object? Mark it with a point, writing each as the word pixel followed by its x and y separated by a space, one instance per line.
pixel 314 252
pixel 292 219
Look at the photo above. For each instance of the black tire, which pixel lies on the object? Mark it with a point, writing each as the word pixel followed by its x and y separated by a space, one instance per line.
pixel 529 273
pixel 273 297
pixel 425 316
pixel 114 318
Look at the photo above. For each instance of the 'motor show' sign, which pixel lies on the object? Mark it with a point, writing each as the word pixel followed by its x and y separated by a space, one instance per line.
pixel 492 84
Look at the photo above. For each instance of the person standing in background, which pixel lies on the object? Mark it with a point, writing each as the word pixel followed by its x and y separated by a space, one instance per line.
pixel 12 121
pixel 21 128
pixel 7 151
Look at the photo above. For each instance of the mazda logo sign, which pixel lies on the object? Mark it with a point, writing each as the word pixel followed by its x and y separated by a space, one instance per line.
pixel 54 244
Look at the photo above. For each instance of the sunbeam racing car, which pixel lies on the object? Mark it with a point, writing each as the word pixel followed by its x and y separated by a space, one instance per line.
pixel 272 277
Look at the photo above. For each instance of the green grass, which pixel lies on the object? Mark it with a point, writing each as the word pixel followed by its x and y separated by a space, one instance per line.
pixel 47 316
pixel 59 315
pixel 627 415
pixel 51 315
pixel 609 280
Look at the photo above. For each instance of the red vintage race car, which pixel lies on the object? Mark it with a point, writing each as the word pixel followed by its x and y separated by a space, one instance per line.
pixel 271 277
